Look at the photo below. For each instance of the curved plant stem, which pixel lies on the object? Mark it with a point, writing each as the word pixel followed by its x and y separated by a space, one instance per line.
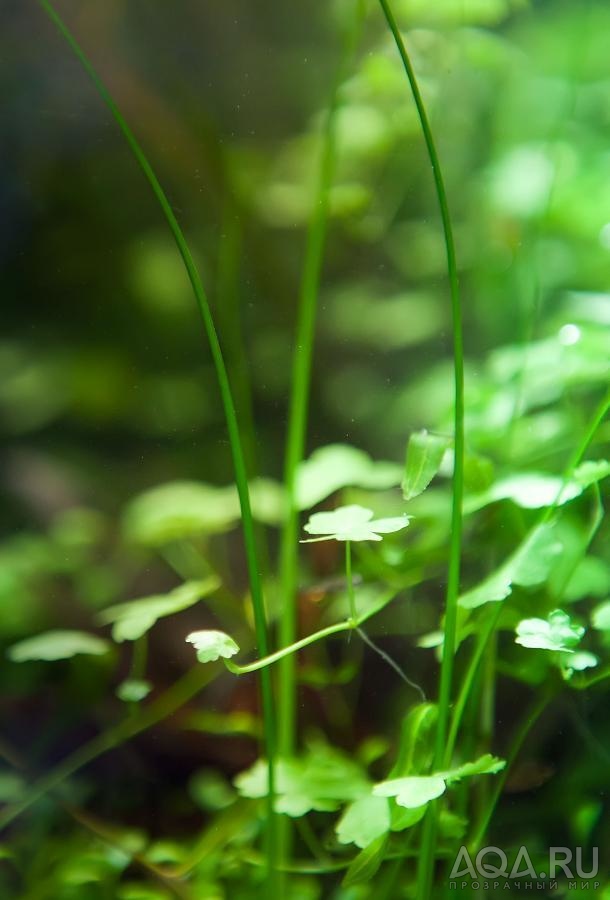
pixel 426 859
pixel 299 398
pixel 350 581
pixel 227 401
pixel 291 649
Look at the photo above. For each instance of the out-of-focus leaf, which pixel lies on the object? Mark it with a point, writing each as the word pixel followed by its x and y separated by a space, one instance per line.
pixel 337 466
pixel 451 12
pixel 12 786
pixel 180 509
pixel 58 645
pixel 590 578
pixel 600 618
pixel 364 821
pixel 425 453
pixel 133 690
pixel 529 565
pixel 188 509
pixel 366 864
pixel 322 779
pixel 210 790
pixel 131 620
pixel 535 490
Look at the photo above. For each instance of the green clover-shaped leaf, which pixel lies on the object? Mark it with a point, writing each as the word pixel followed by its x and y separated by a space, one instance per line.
pixel 211 645
pixel 351 523
pixel 557 633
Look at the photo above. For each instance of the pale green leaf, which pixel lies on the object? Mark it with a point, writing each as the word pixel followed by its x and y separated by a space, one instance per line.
pixel 536 490
pixel 338 466
pixel 600 618
pixel 211 645
pixel 321 779
pixel 529 565
pixel 352 523
pixel 413 790
pixel 425 453
pixel 590 578
pixel 268 501
pixel 403 818
pixel 577 662
pixel 58 645
pixel 364 821
pixel 180 510
pixel 557 632
pixel 131 620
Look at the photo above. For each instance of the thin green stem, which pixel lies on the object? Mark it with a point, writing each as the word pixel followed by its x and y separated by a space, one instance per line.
pixel 426 859
pixel 468 680
pixel 348 625
pixel 351 624
pixel 350 580
pixel 299 398
pixel 239 466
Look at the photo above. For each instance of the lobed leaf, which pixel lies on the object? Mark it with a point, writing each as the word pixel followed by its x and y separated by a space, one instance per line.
pixel 322 779
pixel 352 523
pixel 557 632
pixel 211 645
